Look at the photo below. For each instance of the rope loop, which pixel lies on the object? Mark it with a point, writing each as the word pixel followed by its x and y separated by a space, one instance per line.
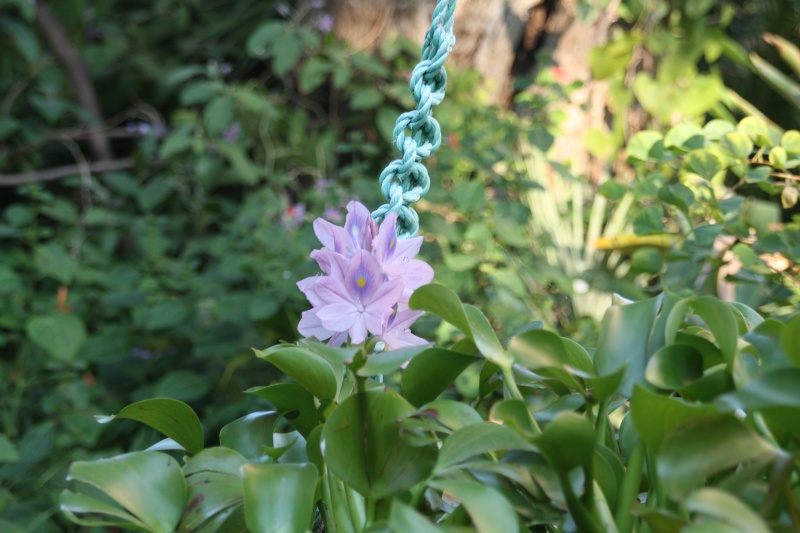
pixel 404 181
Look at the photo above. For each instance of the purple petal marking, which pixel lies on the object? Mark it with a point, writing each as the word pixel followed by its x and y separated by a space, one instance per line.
pixel 363 277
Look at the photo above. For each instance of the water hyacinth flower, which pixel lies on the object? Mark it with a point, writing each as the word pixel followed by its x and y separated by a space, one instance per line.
pixel 368 278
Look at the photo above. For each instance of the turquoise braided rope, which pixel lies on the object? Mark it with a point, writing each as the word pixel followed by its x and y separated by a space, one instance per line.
pixel 404 181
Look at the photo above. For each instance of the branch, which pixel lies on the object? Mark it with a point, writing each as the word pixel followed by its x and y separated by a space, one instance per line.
pixel 12 180
pixel 66 52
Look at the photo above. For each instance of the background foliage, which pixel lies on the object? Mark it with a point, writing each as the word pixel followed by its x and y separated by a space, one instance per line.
pixel 238 126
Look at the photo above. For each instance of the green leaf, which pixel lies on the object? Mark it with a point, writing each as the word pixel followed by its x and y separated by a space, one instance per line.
pixel 287 49
pixel 790 339
pixel 279 498
pixel 182 385
pixel 148 485
pixel 685 137
pixel 791 142
pixel 311 371
pixel 726 507
pixel 489 510
pixel 568 442
pixel 432 372
pixel 293 402
pixel 754 128
pixel 403 519
pixel 363 446
pixel 450 414
pixel 485 339
pixel 366 98
pixel 647 145
pixel 720 320
pixel 624 337
pixel 775 394
pixel 705 447
pixel 674 366
pixel 736 144
pixel 539 348
pixel 8 452
pixel 53 260
pixel 259 44
pixel 313 74
pixel 654 416
pixel 389 361
pixel 783 84
pixel 215 488
pixel 777 157
pixel 478 439
pixel 163 315
pixel 170 417
pixel 442 302
pixel 649 221
pixel 60 335
pixel 218 115
pixel 703 163
pixel 251 434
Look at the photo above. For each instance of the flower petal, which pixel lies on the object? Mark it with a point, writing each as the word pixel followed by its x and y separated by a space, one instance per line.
pixel 310 326
pixel 338 317
pixel 360 225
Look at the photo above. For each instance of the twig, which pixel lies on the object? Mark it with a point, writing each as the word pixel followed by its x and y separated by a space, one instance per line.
pixel 12 180
pixel 68 55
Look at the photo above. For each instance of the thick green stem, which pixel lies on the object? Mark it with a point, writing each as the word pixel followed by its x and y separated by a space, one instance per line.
pixel 510 383
pixel 629 492
pixel 355 502
pixel 337 503
pixel 602 422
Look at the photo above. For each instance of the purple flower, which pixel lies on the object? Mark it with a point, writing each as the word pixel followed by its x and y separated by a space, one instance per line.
pixel 325 23
pixel 332 214
pixel 369 275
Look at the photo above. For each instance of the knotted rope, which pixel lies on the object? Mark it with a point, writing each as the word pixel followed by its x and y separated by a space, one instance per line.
pixel 404 181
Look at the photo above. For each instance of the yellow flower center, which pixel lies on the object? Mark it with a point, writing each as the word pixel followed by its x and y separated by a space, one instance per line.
pixel 361 281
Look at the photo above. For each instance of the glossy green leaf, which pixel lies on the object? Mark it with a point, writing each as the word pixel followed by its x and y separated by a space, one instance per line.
pixel 624 337
pixel 279 498
pixel 404 519
pixel 489 510
pixel 604 387
pixel 294 402
pixel 362 445
pixel 654 416
pixel 442 302
pixel 539 348
pixel 790 339
pixel 310 370
pixel 390 361
pixel 478 439
pixel 148 485
pixel 721 322
pixel 704 447
pixel 485 339
pixel 250 435
pixel 515 413
pixel 432 372
pixel 726 507
pixel 775 395
pixel 451 414
pixel 791 142
pixel 568 442
pixel 60 335
pixel 674 366
pixel 171 417
pixel 215 487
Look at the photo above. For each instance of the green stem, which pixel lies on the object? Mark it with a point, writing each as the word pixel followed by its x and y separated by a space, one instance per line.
pixel 629 492
pixel 416 495
pixel 602 422
pixel 343 522
pixel 355 503
pixel 371 504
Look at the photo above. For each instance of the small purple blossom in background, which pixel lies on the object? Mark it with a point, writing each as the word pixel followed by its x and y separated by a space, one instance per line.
pixel 331 214
pixel 317 4
pixel 325 23
pixel 369 275
pixel 232 133
pixel 293 216
pixel 283 10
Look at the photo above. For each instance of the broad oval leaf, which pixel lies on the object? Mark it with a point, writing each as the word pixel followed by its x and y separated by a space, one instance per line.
pixel 294 402
pixel 489 510
pixel 705 447
pixel 250 435
pixel 442 302
pixel 60 335
pixel 674 366
pixel 362 445
pixel 726 507
pixel 432 372
pixel 148 485
pixel 308 369
pixel 279 498
pixel 171 417
pixel 654 416
pixel 215 487
pixel 478 439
